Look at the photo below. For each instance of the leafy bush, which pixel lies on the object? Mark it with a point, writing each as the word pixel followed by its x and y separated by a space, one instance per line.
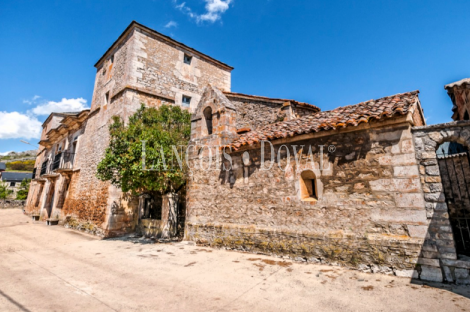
pixel 23 190
pixel 21 165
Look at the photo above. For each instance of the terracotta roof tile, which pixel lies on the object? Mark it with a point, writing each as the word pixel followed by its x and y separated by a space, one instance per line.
pixel 341 117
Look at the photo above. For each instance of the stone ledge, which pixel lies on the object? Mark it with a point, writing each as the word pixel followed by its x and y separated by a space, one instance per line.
pixel 452 124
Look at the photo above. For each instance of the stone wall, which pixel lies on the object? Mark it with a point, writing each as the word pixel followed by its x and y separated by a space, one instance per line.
pixel 11 203
pixel 147 63
pixel 438 256
pixel 370 211
pixel 255 114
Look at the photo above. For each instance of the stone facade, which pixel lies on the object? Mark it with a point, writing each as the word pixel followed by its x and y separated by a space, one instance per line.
pixel 57 163
pixel 141 67
pixel 369 211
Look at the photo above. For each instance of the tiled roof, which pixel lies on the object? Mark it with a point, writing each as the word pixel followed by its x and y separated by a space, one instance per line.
pixel 16 176
pixel 341 117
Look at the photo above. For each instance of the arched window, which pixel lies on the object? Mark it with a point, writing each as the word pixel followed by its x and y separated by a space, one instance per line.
pixel 208 118
pixel 308 186
pixel 466 117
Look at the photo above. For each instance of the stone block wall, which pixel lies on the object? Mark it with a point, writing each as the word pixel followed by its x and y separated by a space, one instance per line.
pixel 370 211
pixel 438 256
pixel 12 203
pixel 255 114
pixel 144 61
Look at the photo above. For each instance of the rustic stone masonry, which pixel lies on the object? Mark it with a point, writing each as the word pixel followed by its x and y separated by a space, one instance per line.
pixel 141 67
pixel 368 213
pixel 438 258
pixel 255 111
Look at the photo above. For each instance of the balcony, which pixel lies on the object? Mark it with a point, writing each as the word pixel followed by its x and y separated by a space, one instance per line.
pixel 61 163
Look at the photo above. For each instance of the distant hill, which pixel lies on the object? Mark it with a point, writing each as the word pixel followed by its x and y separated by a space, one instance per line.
pixel 15 156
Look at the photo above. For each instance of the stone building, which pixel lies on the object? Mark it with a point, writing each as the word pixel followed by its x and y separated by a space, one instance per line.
pixel 56 163
pixel 369 186
pixel 358 186
pixel 13 180
pixel 141 66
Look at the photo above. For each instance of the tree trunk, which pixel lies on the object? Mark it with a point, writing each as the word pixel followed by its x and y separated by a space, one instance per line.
pixel 170 204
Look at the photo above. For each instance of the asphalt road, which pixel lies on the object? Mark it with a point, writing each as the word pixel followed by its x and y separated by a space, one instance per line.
pixel 55 269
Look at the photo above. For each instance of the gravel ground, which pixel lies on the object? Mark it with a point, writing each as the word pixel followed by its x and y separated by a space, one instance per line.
pixel 56 269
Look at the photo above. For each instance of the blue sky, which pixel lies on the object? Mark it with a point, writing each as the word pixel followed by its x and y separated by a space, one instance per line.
pixel 328 53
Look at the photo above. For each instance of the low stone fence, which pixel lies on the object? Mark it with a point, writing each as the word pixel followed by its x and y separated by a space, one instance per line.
pixel 11 203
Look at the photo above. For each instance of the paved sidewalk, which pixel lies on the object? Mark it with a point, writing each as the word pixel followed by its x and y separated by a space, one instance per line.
pixel 55 269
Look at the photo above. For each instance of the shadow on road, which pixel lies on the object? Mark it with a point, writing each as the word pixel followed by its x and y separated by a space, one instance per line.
pixel 460 290
pixel 139 239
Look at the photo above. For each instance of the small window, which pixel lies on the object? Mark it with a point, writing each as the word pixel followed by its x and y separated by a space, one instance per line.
pixel 12 183
pixel 187 59
pixel 308 186
pixel 111 59
pixel 106 98
pixel 186 100
pixel 208 118
pixel 466 117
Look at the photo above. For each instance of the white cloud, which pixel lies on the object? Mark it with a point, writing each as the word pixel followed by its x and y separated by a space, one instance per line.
pixel 32 100
pixel 214 10
pixel 5 153
pixel 15 125
pixel 171 24
pixel 65 105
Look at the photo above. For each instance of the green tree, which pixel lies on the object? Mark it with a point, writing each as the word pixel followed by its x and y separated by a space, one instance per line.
pixel 4 191
pixel 163 131
pixel 23 189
